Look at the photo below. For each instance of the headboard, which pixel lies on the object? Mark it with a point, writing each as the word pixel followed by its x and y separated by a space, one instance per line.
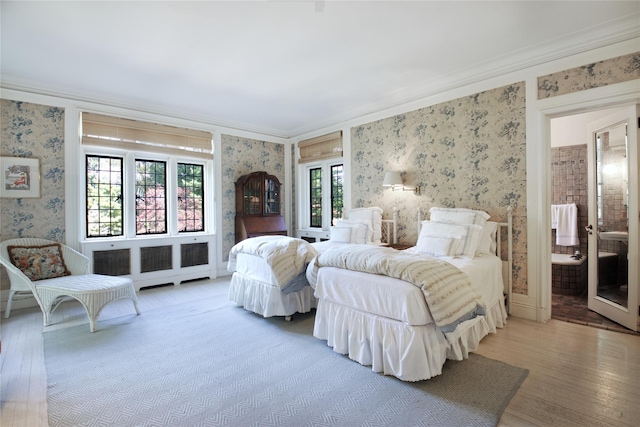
pixel 386 230
pixel 390 228
pixel 507 258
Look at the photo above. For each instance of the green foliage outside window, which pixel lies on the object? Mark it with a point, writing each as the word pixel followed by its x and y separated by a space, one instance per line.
pixel 151 211
pixel 105 200
pixel 316 197
pixel 104 196
pixel 337 192
pixel 190 197
pixel 336 201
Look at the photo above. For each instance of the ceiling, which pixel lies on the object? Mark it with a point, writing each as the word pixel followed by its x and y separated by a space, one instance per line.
pixel 284 68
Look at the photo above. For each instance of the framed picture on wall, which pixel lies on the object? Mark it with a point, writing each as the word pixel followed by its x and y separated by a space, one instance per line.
pixel 20 177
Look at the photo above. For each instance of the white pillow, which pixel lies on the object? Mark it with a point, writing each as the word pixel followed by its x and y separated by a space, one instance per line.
pixel 459 215
pixel 360 231
pixel 487 243
pixel 469 235
pixel 438 246
pixel 373 214
pixel 340 234
pixel 360 234
pixel 365 228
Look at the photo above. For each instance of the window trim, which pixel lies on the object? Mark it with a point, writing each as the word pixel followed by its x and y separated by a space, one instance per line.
pixel 129 179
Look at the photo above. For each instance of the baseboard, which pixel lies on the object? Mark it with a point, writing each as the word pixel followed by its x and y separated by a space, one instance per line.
pixel 26 302
pixel 222 272
pixel 523 311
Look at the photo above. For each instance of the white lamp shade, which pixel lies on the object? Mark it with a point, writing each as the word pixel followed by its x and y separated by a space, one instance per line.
pixel 392 179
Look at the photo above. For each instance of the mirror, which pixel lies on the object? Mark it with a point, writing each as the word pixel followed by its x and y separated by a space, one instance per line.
pixel 612 205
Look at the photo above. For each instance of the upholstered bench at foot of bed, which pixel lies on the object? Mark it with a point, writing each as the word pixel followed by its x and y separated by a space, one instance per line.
pixel 94 291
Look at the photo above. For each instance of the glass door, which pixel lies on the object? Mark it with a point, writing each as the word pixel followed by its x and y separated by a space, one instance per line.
pixel 252 197
pixel 613 278
pixel 271 196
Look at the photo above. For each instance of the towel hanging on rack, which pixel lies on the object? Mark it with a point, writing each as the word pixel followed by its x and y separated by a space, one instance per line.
pixel 564 218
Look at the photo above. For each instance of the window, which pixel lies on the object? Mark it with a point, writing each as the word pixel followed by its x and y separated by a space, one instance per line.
pixel 104 196
pixel 322 173
pixel 325 196
pixel 144 178
pixel 190 197
pixel 315 202
pixel 151 183
pixel 337 192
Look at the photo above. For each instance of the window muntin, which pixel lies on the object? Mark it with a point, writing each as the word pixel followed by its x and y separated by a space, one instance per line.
pixel 190 197
pixel 315 197
pixel 104 196
pixel 151 194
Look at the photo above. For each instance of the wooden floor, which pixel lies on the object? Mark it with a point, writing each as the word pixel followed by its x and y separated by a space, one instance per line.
pixel 578 376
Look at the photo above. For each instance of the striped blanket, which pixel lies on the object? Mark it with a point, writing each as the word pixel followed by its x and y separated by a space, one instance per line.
pixel 447 290
pixel 287 256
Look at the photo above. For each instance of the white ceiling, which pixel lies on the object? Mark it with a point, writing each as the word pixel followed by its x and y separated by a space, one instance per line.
pixel 288 67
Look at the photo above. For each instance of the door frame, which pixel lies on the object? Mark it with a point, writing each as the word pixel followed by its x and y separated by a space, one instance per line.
pixel 539 154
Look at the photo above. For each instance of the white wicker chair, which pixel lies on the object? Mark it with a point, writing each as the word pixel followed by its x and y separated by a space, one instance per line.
pixel 94 291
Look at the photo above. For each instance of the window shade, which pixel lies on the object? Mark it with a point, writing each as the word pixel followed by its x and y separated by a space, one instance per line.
pixel 321 148
pixel 127 134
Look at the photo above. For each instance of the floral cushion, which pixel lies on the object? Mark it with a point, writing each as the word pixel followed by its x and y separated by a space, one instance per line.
pixel 39 262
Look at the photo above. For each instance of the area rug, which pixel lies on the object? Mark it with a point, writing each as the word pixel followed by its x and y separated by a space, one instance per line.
pixel 208 363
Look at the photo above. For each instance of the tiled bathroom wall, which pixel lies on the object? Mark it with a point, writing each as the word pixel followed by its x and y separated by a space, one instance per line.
pixel 569 185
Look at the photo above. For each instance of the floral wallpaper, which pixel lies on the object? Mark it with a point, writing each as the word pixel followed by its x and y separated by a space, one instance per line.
pixel 35 131
pixel 602 73
pixel 241 156
pixel 468 152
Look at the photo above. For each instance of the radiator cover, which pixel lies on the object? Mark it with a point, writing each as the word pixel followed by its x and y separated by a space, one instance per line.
pixel 154 261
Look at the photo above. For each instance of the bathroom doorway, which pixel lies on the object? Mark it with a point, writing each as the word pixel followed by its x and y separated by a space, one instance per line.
pixel 578 257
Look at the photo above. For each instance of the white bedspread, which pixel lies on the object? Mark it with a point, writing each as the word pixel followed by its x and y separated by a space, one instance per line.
pixel 446 289
pixel 287 256
pixel 396 299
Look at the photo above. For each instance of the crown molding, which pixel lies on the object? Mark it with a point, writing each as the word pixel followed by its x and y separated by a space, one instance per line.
pixel 18 84
pixel 607 34
pixel 603 35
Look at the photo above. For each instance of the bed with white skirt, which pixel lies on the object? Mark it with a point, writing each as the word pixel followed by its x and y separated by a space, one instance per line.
pixel 269 271
pixel 395 321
